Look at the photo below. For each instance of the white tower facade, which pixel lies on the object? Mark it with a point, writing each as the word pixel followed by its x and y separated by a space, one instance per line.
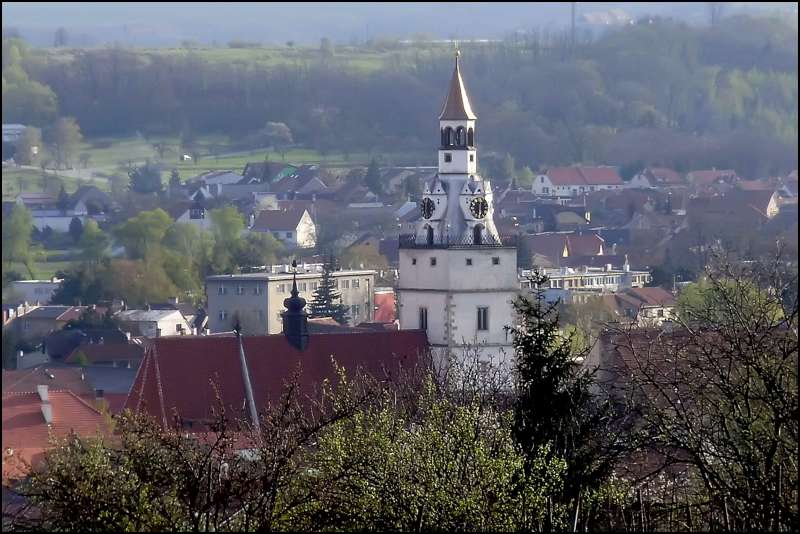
pixel 458 277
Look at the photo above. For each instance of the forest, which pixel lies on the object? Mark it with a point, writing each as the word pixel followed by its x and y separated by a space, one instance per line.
pixel 658 91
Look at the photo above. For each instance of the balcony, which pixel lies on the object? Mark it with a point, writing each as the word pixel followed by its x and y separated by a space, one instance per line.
pixel 412 241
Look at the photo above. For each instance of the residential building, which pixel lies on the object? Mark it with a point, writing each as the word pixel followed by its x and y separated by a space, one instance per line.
pixel 457 276
pixel 641 306
pixel 256 299
pixel 293 227
pixel 154 323
pixel 656 178
pixel 573 181
pixel 550 249
pixel 35 325
pixel 35 291
pixel 570 284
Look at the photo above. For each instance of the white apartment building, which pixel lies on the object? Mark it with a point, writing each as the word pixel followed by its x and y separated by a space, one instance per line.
pixel 256 299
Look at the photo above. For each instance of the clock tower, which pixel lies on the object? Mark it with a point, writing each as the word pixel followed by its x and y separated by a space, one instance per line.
pixel 458 276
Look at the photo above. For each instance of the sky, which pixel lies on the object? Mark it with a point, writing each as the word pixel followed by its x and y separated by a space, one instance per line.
pixel 168 23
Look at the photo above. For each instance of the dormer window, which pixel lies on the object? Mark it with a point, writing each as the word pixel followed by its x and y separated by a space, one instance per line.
pixel 197 213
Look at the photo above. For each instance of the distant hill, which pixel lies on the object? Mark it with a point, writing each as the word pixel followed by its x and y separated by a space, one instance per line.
pixel 169 23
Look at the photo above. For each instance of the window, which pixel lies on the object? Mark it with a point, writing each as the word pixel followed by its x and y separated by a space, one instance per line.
pixel 223 314
pixel 289 235
pixel 345 284
pixel 472 157
pixel 197 213
pixel 240 290
pixel 281 288
pixel 221 290
pixel 257 290
pixel 433 262
pixel 356 310
pixel 546 190
pixel 413 261
pixel 303 286
pixel 469 261
pixel 356 283
pixel 495 260
pixel 314 286
pixel 483 318
pixel 448 157
pixel 541 179
pixel 660 313
pixel 423 318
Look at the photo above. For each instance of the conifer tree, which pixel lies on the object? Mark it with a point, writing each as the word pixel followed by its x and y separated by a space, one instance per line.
pixel 554 408
pixel 327 301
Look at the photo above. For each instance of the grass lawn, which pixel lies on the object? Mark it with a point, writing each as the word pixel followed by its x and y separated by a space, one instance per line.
pixel 32 182
pixel 43 270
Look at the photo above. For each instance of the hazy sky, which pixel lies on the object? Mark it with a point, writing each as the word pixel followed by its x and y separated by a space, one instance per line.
pixel 170 22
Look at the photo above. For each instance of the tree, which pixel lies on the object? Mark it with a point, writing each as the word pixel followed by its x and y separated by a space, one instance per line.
pixel 372 179
pixel 259 248
pixel 718 395
pixel 146 179
pixel 28 146
pixel 363 257
pixel 279 136
pixel 119 184
pixel 143 232
pixel 174 178
pixel 326 48
pixel 93 242
pixel 525 177
pixel 75 229
pixel 60 39
pixel 553 405
pixel 66 139
pixel 629 170
pixel 17 238
pixel 327 301
pixel 84 158
pixel 508 168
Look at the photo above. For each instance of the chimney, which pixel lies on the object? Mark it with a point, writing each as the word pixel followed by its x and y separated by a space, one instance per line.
pixel 128 336
pixel 42 391
pixel 47 412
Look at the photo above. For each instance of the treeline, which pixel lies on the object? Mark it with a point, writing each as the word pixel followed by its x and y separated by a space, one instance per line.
pixel 657 91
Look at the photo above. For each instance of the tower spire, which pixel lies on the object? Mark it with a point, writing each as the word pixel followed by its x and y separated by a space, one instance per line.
pixel 295 319
pixel 456 105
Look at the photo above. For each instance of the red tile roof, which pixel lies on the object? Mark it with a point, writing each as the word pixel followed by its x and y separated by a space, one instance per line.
pixel 584 176
pixel 26 380
pixel 712 176
pixel 106 352
pixel 651 296
pixel 176 373
pixel 565 176
pixel 26 433
pixel 584 244
pixel 666 176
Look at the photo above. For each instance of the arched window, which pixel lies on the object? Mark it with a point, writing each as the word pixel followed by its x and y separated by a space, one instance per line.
pixel 428 234
pixel 477 234
pixel 444 137
pixel 461 136
pixel 471 137
pixel 451 136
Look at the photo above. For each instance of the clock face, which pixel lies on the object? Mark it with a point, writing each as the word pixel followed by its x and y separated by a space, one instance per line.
pixel 479 207
pixel 427 207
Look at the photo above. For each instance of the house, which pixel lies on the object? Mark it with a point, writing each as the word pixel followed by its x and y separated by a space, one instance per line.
pixel 267 171
pixel 89 200
pixel 39 322
pixel 756 206
pixel 655 178
pixel 153 323
pixel 176 374
pixel 48 211
pixel 31 419
pixel 35 291
pixel 293 227
pixel 385 305
pixel 641 306
pixel 550 248
pixel 713 181
pixel 128 355
pixel 577 284
pixel 12 132
pixel 572 181
pixel 304 181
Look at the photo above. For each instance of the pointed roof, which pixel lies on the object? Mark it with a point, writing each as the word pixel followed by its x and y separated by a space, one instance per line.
pixel 456 106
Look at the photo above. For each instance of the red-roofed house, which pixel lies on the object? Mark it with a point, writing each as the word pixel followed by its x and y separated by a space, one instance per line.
pixel 643 306
pixel 572 181
pixel 656 178
pixel 30 419
pixel 176 374
pixel 293 227
pixel 549 249
pixel 713 181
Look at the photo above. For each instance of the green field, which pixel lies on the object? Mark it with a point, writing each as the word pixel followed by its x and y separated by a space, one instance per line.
pixel 32 182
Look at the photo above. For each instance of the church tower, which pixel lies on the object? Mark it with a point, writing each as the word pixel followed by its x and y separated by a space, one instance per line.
pixel 457 275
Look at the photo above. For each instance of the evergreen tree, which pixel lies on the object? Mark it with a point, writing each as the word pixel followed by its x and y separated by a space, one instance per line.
pixel 75 229
pixel 373 178
pixel 63 199
pixel 327 302
pixel 554 409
